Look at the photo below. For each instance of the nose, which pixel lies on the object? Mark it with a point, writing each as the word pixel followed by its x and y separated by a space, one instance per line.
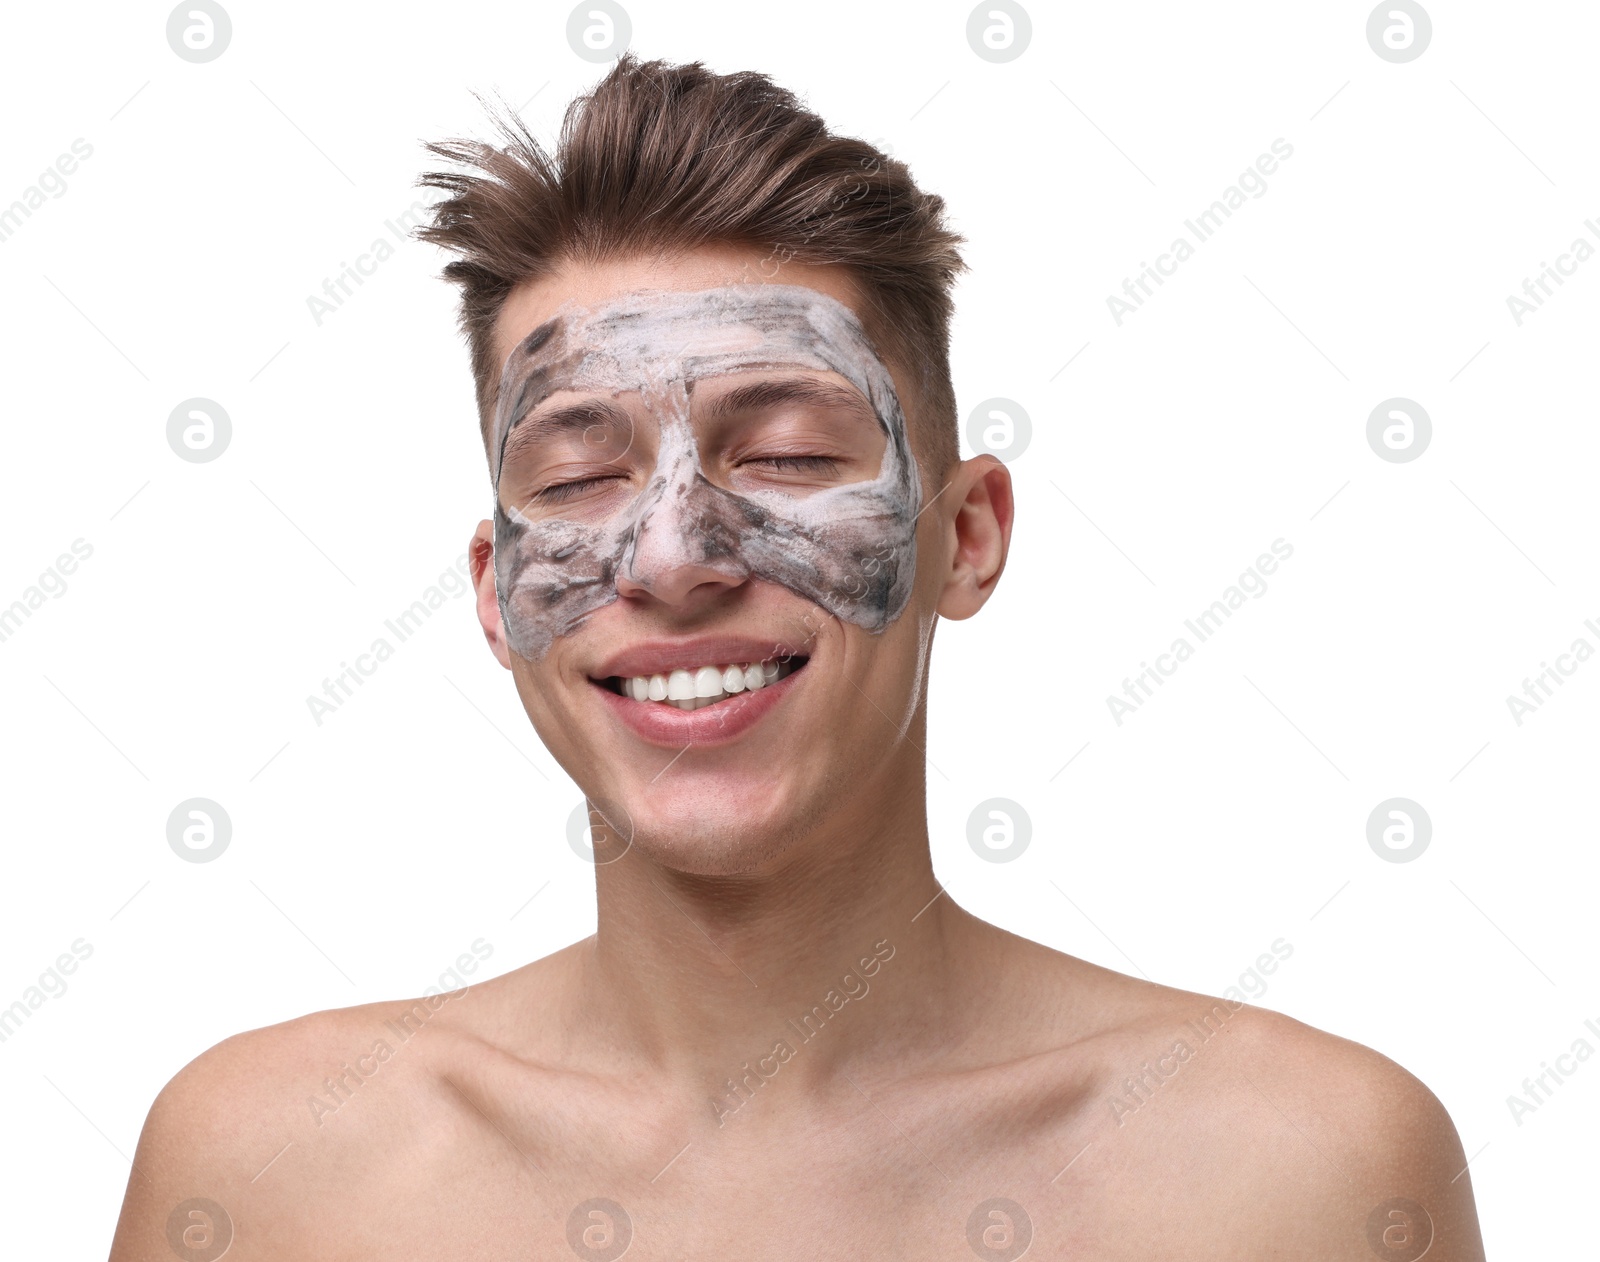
pixel 685 543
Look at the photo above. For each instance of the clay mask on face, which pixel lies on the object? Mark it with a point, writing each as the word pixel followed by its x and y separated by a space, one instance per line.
pixel 849 546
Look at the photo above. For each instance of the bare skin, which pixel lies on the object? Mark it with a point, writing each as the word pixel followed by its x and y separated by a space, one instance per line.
pixel 947 1062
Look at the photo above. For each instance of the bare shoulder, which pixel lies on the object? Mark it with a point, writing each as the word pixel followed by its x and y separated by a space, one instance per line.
pixel 218 1143
pixel 1348 1153
pixel 1380 1166
pixel 1243 1131
pixel 350 1106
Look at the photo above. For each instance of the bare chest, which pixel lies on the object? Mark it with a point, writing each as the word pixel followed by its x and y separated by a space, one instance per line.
pixel 883 1182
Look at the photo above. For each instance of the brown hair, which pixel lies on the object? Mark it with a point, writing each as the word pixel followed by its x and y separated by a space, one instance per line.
pixel 663 158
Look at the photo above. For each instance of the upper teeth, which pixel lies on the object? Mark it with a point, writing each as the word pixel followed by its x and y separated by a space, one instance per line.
pixel 689 689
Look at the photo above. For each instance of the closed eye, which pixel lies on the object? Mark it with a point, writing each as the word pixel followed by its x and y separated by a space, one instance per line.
pixel 807 464
pixel 555 492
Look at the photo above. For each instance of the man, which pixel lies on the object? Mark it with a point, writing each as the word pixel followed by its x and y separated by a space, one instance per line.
pixel 709 340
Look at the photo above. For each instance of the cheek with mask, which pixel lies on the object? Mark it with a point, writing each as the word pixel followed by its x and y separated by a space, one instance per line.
pixel 806 478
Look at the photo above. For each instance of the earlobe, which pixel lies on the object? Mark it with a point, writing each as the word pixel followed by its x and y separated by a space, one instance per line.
pixel 977 535
pixel 480 553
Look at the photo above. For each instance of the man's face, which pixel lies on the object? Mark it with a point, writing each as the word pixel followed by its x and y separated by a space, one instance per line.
pixel 704 486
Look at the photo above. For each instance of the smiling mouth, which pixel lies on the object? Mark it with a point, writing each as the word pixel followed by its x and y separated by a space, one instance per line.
pixel 698 687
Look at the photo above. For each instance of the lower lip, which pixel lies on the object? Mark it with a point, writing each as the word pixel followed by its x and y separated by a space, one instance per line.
pixel 720 724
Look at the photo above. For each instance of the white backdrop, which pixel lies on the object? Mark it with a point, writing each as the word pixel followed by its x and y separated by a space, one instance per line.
pixel 171 657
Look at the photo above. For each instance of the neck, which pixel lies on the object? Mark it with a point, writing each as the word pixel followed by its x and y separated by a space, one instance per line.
pixel 843 950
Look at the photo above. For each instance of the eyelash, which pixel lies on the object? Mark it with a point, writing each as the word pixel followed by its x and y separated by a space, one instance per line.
pixel 807 464
pixel 558 491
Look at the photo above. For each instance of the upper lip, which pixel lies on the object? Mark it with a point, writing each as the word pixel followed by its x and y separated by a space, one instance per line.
pixel 657 657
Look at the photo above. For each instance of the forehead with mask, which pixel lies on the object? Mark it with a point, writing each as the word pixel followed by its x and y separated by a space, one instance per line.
pixel 748 430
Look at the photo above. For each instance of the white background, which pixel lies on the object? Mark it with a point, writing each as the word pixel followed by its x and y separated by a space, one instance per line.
pixel 1231 410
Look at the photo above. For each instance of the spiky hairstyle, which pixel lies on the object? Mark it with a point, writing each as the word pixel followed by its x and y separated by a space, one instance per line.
pixel 660 158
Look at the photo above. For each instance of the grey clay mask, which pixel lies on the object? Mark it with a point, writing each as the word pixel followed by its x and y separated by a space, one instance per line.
pixel 849 547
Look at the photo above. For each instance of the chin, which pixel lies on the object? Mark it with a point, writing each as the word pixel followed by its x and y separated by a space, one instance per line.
pixel 676 832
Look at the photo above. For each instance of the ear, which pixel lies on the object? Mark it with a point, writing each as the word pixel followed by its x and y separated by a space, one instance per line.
pixel 977 534
pixel 480 554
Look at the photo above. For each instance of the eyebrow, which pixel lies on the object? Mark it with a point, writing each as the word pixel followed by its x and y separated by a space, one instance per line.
pixel 532 430
pixel 774 392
